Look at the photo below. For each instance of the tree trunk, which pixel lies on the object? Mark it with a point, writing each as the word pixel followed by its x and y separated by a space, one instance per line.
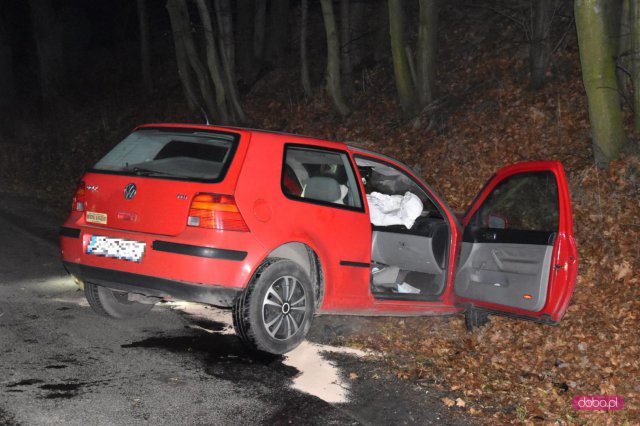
pixel 48 38
pixel 145 55
pixel 613 12
pixel 244 39
pixel 225 30
pixel 213 64
pixel 401 68
pixel 7 84
pixel 278 32
pixel 599 77
pixel 333 59
pixel 381 46
pixel 358 30
pixel 182 62
pixel 427 45
pixel 624 62
pixel 304 61
pixel 181 25
pixel 635 60
pixel 345 47
pixel 223 12
pixel 259 30
pixel 539 48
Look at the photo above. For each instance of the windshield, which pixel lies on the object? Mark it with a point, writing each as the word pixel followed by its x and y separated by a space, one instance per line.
pixel 172 154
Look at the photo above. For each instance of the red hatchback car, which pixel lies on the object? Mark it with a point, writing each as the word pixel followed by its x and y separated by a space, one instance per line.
pixel 280 227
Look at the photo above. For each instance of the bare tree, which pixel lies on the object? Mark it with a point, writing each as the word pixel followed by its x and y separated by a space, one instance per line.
pixel 635 59
pixel 227 58
pixel 7 85
pixel 225 30
pixel 182 59
pixel 213 63
pixel 358 20
pixel 624 60
pixel 401 65
pixel 426 55
pixel 244 41
pixel 278 31
pixel 145 54
pixel 536 19
pixel 540 49
pixel 304 60
pixel 334 87
pixel 259 29
pixel 214 72
pixel 186 49
pixel 48 39
pixel 345 47
pixel 599 76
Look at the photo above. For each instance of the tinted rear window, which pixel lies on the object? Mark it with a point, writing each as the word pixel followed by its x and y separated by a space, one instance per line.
pixel 171 154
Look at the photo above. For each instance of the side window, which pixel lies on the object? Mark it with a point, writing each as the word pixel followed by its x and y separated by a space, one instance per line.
pixel 524 202
pixel 320 175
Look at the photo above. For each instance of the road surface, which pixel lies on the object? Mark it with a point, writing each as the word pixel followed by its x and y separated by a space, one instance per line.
pixel 60 363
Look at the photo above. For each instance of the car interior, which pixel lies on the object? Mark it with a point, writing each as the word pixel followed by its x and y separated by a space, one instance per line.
pixel 406 263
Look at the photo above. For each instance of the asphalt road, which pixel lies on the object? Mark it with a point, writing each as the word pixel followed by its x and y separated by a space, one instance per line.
pixel 62 364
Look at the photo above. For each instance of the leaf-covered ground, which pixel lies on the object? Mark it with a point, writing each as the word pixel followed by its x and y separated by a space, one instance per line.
pixel 486 117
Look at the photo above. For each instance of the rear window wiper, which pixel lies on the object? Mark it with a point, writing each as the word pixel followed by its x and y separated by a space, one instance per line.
pixel 141 171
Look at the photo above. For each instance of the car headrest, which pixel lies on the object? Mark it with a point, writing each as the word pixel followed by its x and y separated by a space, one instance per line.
pixel 323 189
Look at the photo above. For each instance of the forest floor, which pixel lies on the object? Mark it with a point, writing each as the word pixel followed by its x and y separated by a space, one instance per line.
pixel 486 117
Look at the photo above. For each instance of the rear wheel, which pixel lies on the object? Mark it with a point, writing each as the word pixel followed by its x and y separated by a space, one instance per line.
pixel 113 303
pixel 275 311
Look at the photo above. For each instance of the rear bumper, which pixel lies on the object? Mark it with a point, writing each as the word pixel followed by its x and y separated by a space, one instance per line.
pixel 202 266
pixel 154 286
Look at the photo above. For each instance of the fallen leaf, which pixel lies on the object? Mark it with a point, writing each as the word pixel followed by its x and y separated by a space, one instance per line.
pixel 623 271
pixel 448 401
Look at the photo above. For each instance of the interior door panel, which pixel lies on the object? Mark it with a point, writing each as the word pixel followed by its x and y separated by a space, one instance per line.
pixel 515 275
pixel 411 252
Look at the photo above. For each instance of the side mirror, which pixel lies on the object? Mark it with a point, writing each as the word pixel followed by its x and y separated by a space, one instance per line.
pixel 496 222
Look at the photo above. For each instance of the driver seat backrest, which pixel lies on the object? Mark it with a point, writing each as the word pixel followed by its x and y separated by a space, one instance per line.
pixel 323 189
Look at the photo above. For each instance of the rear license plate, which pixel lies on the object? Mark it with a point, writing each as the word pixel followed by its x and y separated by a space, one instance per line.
pixel 117 248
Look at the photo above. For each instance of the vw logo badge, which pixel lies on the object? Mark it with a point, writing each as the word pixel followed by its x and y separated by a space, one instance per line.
pixel 130 191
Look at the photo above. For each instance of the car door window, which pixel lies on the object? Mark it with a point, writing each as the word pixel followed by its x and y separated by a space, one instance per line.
pixel 321 176
pixel 524 202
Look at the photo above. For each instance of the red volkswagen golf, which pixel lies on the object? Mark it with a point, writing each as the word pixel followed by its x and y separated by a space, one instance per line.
pixel 280 227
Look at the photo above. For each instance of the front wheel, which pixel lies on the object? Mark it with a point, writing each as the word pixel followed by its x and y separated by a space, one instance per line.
pixel 274 313
pixel 113 303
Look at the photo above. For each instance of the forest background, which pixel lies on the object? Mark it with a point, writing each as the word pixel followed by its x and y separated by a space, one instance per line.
pixel 455 89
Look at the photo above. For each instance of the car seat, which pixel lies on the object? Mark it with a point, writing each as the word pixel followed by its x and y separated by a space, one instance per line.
pixel 325 189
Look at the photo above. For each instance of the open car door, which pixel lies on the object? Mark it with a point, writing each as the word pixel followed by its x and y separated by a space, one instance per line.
pixel 518 256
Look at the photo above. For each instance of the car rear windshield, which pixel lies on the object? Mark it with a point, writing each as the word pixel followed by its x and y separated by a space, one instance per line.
pixel 172 154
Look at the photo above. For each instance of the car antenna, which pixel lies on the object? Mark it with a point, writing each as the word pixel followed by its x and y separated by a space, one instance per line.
pixel 204 113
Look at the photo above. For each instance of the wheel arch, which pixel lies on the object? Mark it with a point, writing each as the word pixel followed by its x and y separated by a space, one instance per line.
pixel 308 259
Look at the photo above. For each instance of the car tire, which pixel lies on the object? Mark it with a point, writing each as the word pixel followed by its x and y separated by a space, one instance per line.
pixel 113 303
pixel 275 311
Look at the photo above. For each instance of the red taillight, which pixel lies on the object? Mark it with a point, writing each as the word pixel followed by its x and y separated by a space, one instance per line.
pixel 78 198
pixel 215 211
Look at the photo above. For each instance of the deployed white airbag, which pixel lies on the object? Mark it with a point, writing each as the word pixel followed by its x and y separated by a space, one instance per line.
pixel 388 210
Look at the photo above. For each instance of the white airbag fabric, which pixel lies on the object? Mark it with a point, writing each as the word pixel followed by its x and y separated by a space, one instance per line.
pixel 388 210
